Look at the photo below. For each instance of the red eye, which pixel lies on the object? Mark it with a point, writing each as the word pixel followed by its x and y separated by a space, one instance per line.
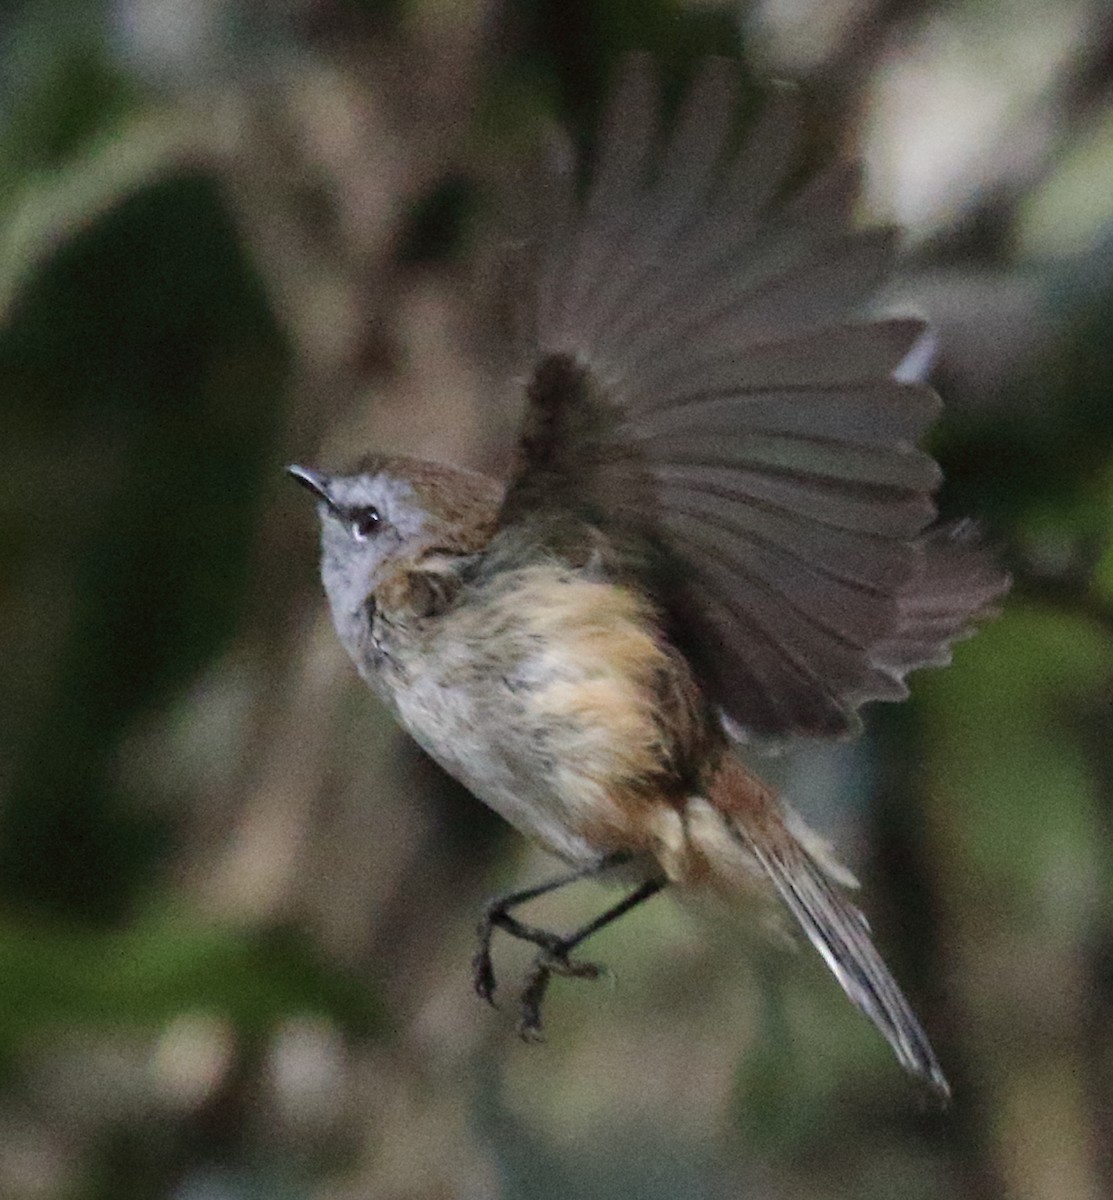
pixel 366 522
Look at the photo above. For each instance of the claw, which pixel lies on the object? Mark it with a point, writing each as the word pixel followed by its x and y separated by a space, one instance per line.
pixel 483 975
pixel 529 1029
pixel 482 968
pixel 550 960
pixel 529 1003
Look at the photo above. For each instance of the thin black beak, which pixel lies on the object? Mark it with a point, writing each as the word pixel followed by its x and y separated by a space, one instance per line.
pixel 315 482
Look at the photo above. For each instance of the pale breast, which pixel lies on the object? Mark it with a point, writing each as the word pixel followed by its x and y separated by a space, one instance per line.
pixel 541 692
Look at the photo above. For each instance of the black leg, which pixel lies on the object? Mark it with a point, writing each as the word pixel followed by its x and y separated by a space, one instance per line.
pixel 552 948
pixel 552 958
pixel 496 912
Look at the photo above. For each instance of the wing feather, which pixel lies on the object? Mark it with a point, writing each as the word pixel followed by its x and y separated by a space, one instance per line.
pixel 778 291
pixel 818 503
pixel 706 385
pixel 870 414
pixel 626 149
pixel 826 356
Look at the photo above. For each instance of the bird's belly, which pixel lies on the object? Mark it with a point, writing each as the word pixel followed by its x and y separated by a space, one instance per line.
pixel 492 749
pixel 540 699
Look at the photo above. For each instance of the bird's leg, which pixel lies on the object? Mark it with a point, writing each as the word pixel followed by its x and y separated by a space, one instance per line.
pixel 496 914
pixel 552 958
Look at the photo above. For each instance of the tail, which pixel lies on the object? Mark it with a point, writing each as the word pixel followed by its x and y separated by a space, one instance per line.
pixel 834 926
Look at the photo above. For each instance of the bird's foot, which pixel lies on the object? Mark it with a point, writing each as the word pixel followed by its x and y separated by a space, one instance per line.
pixel 552 959
pixel 552 948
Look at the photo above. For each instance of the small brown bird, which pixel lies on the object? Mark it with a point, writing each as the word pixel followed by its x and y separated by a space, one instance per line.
pixel 718 527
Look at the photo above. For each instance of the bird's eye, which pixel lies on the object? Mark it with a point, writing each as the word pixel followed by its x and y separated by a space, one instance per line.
pixel 366 522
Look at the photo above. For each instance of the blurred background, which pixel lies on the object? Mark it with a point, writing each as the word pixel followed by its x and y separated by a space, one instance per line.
pixel 236 905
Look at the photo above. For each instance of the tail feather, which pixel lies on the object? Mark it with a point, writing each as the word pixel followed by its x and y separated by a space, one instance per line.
pixel 806 883
pixel 841 935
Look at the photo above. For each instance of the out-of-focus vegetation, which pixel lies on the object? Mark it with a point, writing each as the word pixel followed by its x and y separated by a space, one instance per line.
pixel 236 906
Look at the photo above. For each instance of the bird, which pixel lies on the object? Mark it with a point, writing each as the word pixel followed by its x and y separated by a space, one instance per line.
pixel 719 528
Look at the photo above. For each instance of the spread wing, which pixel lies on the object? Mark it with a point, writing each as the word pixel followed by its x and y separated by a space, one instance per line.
pixel 704 385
